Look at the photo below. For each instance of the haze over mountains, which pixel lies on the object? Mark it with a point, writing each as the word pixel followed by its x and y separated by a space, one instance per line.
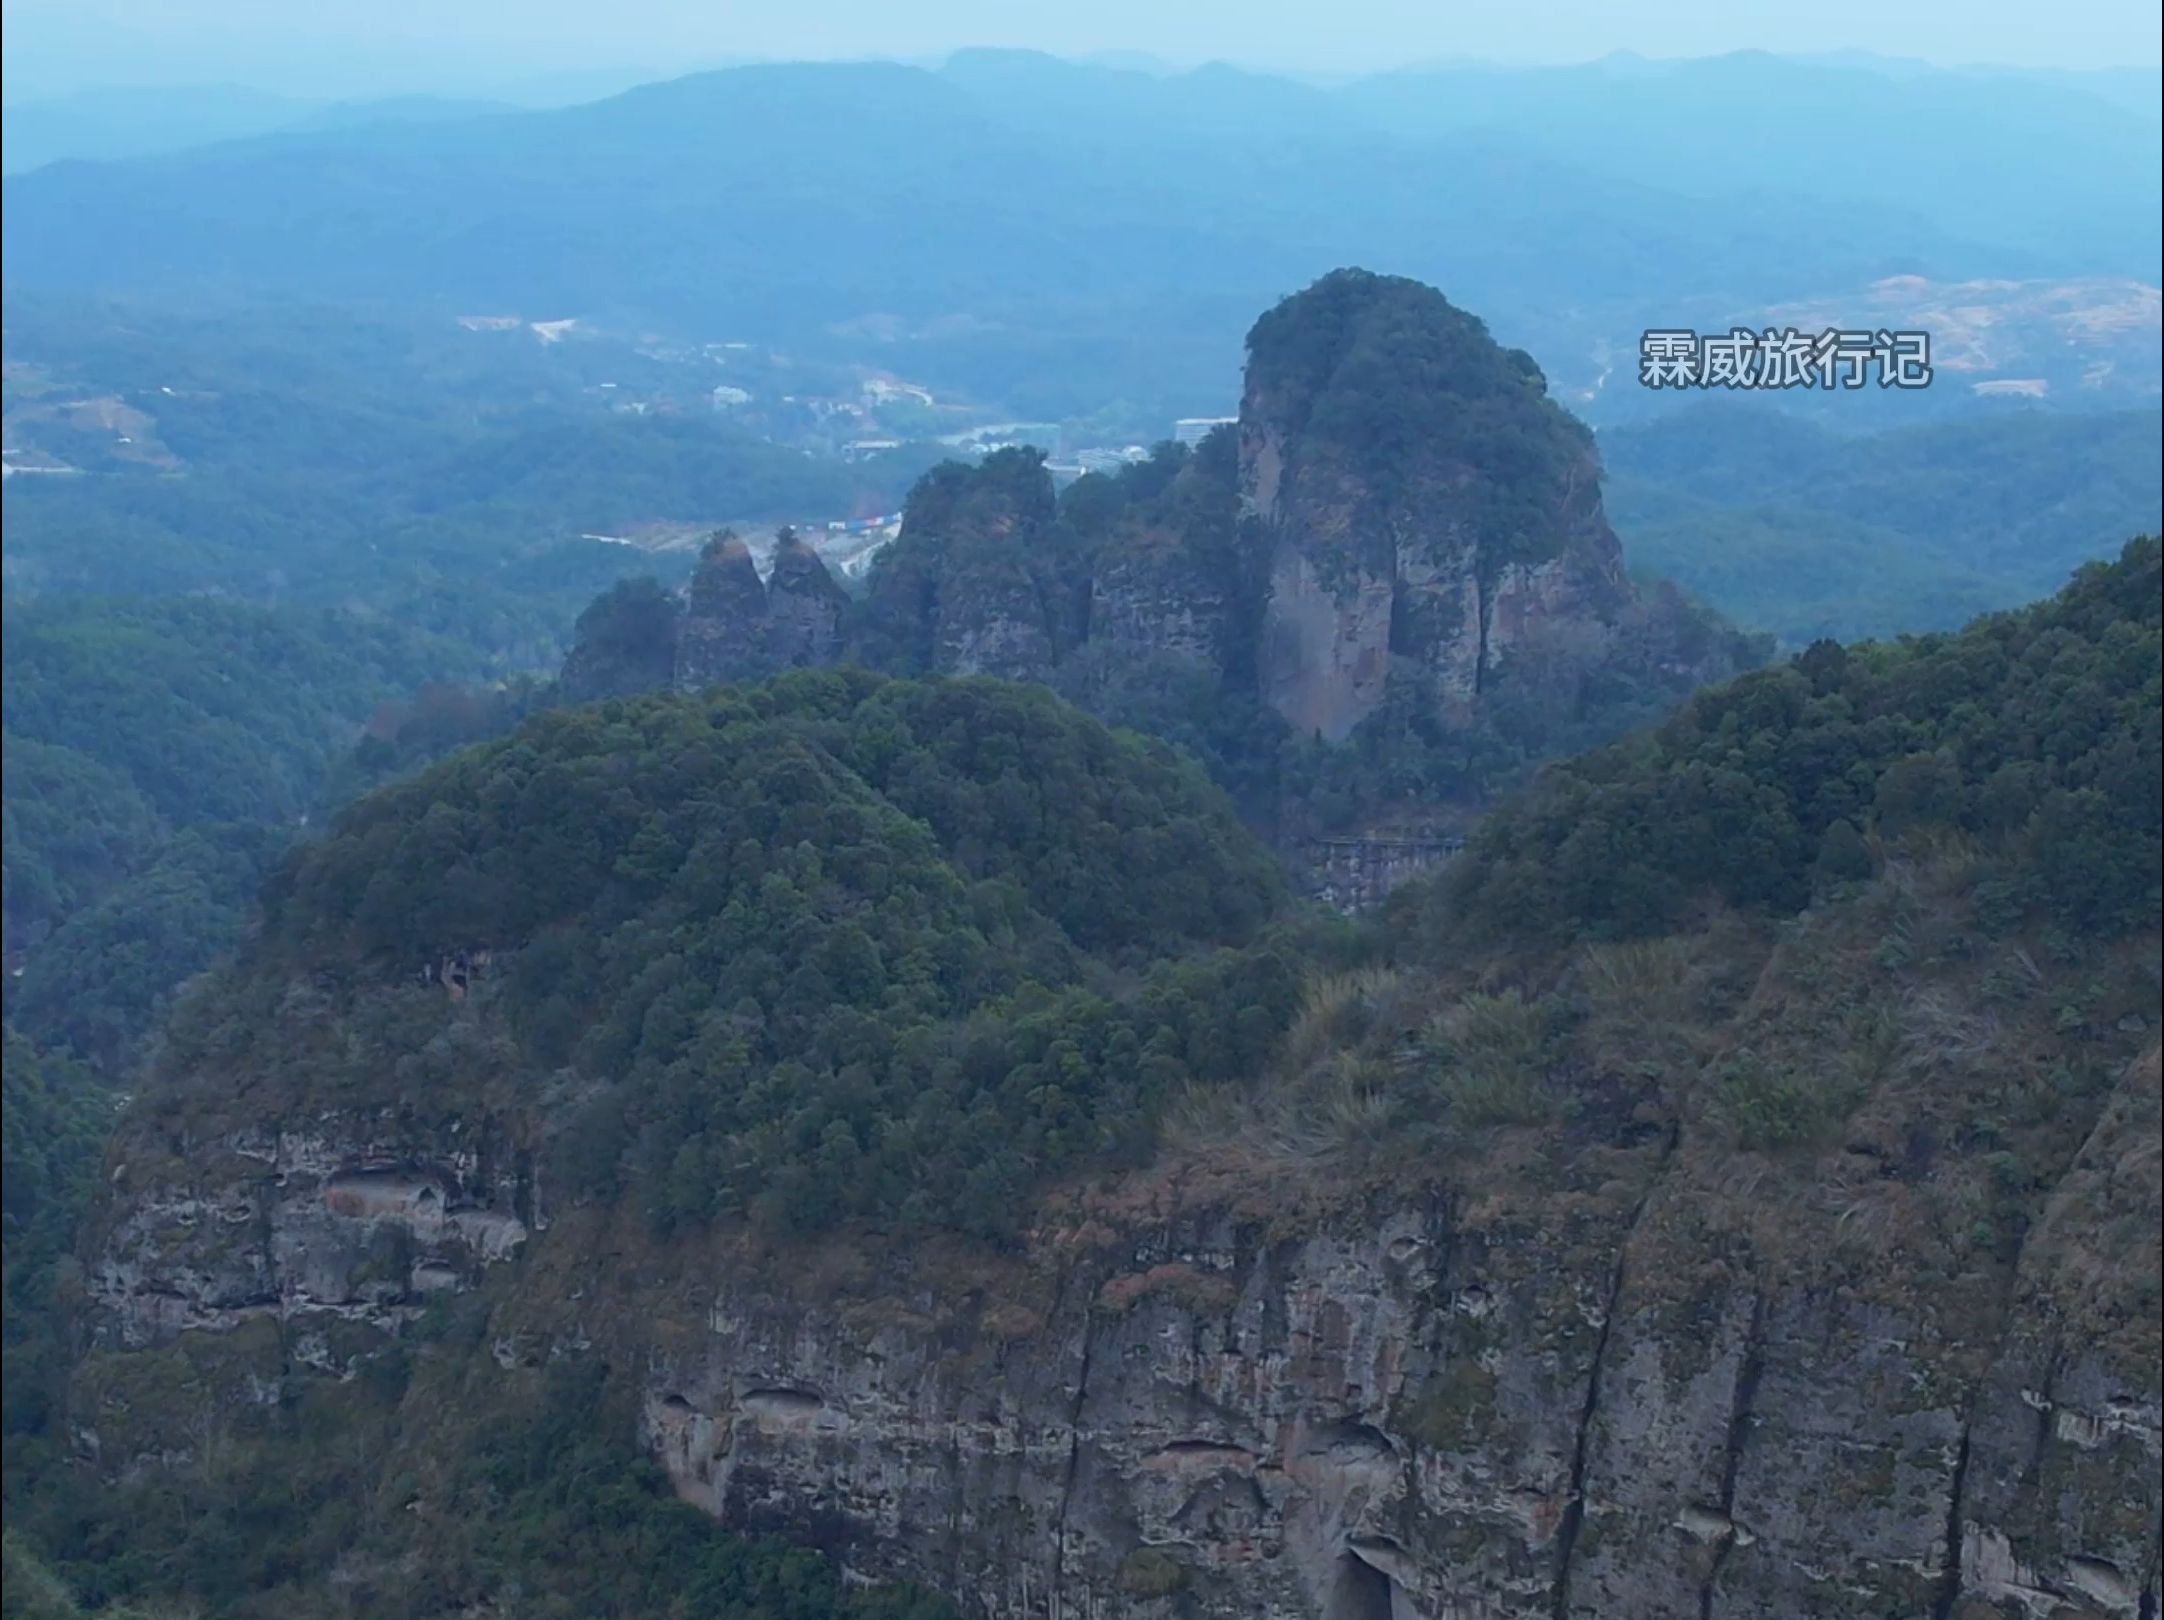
pixel 1123 224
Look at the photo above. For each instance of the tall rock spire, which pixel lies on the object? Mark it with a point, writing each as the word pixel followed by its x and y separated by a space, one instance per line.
pixel 1419 501
pixel 804 606
pixel 723 634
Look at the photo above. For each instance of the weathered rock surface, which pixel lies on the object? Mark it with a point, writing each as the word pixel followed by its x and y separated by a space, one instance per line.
pixel 1401 511
pixel 723 633
pixel 1150 596
pixel 804 606
pixel 1497 1404
pixel 295 1225
pixel 1357 871
pixel 736 626
pixel 971 587
pixel 1418 498
pixel 1401 517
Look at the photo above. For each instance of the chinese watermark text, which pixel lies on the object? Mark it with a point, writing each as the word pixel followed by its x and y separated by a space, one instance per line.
pixel 1784 357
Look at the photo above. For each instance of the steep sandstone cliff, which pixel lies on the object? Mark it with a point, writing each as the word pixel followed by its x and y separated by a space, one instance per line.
pixel 1419 500
pixel 804 606
pixel 1402 514
pixel 1577 1395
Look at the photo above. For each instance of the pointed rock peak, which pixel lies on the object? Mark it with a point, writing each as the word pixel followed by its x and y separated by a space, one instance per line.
pixel 798 568
pixel 724 545
pixel 726 583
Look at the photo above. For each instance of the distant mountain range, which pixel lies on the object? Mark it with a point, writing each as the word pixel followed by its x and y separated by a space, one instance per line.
pixel 110 125
pixel 1055 235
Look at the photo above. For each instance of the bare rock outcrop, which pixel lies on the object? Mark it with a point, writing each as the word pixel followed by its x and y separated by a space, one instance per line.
pixel 736 626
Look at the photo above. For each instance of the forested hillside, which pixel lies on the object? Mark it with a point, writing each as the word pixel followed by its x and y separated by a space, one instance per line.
pixel 829 951
pixel 952 835
pixel 159 754
pixel 826 948
pixel 2034 733
pixel 1787 524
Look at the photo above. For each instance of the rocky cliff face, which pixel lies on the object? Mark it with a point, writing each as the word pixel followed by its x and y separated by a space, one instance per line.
pixel 1589 1380
pixel 1358 871
pixel 804 606
pixel 973 584
pixel 1421 505
pixel 736 626
pixel 1402 510
pixel 722 635
pixel 1403 533
pixel 1152 596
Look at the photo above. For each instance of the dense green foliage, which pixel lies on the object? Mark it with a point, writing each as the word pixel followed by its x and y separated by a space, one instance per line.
pixel 158 753
pixel 839 950
pixel 54 1117
pixel 53 1129
pixel 2035 732
pixel 607 1538
pixel 829 947
pixel 546 1500
pixel 542 1512
pixel 1789 526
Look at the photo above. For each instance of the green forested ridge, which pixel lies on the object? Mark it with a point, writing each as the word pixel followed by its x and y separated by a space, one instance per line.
pixel 2035 732
pixel 839 964
pixel 831 946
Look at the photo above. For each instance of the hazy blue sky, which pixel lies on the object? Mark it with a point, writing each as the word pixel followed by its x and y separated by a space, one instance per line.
pixel 345 46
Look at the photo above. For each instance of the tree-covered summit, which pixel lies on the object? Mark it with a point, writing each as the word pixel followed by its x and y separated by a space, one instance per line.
pixel 833 945
pixel 1409 400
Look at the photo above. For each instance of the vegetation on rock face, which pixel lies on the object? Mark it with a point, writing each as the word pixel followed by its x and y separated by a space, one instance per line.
pixel 56 1118
pixel 1412 397
pixel 438 1499
pixel 624 643
pixel 1863 948
pixel 1137 595
pixel 857 956
pixel 978 535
